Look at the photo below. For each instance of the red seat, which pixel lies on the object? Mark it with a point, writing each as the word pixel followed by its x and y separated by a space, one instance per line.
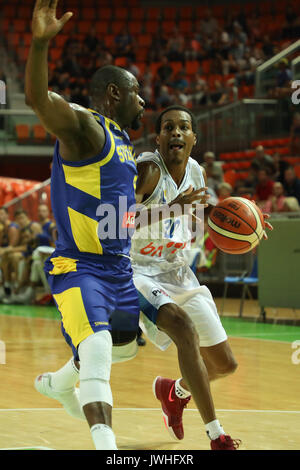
pixel 144 40
pixel 121 14
pixel 137 14
pixel 135 27
pixel 88 13
pixel 39 133
pixel 168 26
pixel 121 61
pixel 192 67
pixel 151 27
pixel 153 13
pixel 230 177
pixel 101 27
pixel 117 27
pixel 23 133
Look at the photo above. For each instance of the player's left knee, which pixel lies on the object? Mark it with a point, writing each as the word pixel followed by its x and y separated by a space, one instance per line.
pixel 229 366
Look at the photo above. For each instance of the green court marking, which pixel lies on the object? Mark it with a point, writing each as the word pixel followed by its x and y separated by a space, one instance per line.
pixel 30 311
pixel 267 331
pixel 233 326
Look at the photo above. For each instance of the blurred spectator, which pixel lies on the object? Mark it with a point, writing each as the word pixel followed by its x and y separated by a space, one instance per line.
pixel 165 71
pixel 208 25
pixel 264 187
pixel 15 262
pixel 46 237
pixel 175 49
pixel 291 184
pixel 124 44
pixel 213 170
pixel 295 135
pixel 92 41
pixel 276 202
pixel 280 166
pixel 262 160
pixel 9 231
pixel 199 91
pixel 283 80
pixel 132 68
pixel 220 94
pixel 165 98
pixel 224 190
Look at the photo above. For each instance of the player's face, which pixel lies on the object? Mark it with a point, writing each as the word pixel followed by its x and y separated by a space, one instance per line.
pixel 43 212
pixel 176 138
pixel 132 104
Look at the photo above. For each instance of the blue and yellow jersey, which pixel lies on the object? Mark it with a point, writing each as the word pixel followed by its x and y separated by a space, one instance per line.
pixel 81 193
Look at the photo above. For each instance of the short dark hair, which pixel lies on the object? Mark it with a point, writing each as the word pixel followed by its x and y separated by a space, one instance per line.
pixel 4 209
pixel 19 212
pixel 106 75
pixel 179 108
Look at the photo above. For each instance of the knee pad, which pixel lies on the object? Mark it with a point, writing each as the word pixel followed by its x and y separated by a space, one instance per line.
pixel 125 352
pixel 95 355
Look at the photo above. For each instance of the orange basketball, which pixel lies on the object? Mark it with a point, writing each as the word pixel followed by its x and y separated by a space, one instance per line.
pixel 236 225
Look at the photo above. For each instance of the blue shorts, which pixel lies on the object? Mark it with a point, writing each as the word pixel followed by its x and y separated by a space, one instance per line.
pixel 92 296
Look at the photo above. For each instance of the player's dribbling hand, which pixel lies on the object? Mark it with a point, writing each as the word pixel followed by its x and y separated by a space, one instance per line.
pixel 191 196
pixel 267 224
pixel 44 24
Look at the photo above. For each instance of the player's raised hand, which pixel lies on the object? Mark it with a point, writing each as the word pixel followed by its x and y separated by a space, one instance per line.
pixel 45 25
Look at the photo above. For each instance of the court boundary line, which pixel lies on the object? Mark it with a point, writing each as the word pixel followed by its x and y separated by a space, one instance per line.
pixel 157 409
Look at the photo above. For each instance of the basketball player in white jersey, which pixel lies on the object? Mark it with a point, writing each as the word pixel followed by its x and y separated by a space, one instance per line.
pixel 174 307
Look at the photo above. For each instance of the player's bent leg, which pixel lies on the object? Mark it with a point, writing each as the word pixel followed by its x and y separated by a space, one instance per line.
pixel 95 355
pixel 219 360
pixel 176 323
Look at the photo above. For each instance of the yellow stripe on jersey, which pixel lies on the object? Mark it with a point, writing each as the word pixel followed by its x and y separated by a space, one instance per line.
pixel 74 317
pixel 84 231
pixel 62 265
pixel 113 144
pixel 86 178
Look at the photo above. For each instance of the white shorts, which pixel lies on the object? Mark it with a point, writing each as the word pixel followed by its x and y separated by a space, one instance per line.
pixel 182 288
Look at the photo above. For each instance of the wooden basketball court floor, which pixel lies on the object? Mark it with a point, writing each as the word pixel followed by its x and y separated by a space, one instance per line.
pixel 259 404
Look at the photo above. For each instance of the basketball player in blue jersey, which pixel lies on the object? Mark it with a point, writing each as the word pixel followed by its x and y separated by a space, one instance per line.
pixel 90 279
pixel 173 304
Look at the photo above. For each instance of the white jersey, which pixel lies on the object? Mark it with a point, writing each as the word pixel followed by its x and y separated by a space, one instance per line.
pixel 160 247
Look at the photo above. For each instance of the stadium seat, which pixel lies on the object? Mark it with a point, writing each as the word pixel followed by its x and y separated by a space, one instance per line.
pixel 137 14
pixel 169 13
pixel 101 27
pixel 55 54
pixel 151 27
pixel 121 61
pixel 185 26
pixel 84 26
pixel 105 14
pixel 88 13
pixel 153 13
pixel 117 27
pixel 135 27
pixel 230 177
pixel 185 13
pixel 297 171
pixel 144 40
pixel 23 133
pixel 39 134
pixel 192 67
pixel 168 26
pixel 121 14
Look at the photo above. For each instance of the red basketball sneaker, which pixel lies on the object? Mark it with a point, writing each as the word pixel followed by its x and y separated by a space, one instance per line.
pixel 225 443
pixel 172 406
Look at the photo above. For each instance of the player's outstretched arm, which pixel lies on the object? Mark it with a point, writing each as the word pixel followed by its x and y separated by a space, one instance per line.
pixel 67 122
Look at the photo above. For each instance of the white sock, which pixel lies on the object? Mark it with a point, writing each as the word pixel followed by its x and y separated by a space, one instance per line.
pixel 214 429
pixel 66 377
pixel 181 392
pixel 103 437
